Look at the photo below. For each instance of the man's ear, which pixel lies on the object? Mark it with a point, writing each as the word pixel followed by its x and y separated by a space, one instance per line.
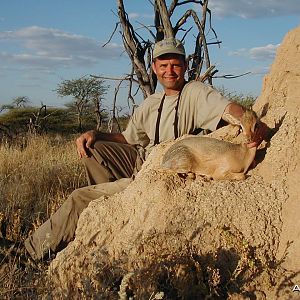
pixel 154 67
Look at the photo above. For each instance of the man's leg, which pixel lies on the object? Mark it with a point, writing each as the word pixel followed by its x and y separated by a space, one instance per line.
pixel 57 231
pixel 110 161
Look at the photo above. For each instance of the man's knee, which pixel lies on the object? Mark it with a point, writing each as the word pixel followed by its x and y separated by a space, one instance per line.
pixel 80 198
pixel 79 195
pixel 99 154
pixel 98 149
pixel 102 147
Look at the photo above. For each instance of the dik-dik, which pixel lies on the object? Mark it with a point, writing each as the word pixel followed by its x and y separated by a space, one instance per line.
pixel 214 158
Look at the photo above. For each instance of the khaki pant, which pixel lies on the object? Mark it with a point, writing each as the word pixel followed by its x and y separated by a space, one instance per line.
pixel 109 170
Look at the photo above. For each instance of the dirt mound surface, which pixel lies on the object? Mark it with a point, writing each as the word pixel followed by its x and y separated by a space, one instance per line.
pixel 166 237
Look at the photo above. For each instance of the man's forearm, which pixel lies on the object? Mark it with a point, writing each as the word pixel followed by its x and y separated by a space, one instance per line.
pixel 112 137
pixel 233 113
pixel 87 140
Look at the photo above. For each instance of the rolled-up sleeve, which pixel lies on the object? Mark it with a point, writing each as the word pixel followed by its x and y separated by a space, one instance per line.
pixel 212 106
pixel 135 133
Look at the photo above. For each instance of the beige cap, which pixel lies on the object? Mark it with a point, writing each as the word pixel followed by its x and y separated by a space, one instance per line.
pixel 169 45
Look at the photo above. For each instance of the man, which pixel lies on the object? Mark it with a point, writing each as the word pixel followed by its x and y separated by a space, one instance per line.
pixel 111 159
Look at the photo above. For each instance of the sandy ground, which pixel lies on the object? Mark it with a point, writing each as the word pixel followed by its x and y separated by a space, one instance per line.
pixel 240 234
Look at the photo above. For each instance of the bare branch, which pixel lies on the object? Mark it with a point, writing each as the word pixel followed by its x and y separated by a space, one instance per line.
pixel 190 1
pixel 230 76
pixel 127 77
pixel 186 33
pixel 147 28
pixel 164 16
pixel 172 7
pixel 129 96
pixel 151 2
pixel 135 51
pixel 113 33
pixel 206 74
pixel 200 42
pixel 113 120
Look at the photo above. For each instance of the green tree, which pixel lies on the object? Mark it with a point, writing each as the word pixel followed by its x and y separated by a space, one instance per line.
pixel 245 100
pixel 17 102
pixel 16 121
pixel 20 101
pixel 84 92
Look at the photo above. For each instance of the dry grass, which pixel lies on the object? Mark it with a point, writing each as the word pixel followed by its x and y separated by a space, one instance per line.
pixel 36 175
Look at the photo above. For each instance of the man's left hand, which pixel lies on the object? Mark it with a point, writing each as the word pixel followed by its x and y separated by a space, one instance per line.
pixel 260 134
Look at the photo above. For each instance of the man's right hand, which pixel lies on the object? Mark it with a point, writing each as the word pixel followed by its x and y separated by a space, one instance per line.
pixel 84 142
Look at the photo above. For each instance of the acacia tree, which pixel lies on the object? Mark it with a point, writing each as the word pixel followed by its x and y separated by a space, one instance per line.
pixel 139 45
pixel 84 91
pixel 17 102
pixel 20 101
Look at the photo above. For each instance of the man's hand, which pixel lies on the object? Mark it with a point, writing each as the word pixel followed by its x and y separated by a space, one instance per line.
pixel 84 142
pixel 260 134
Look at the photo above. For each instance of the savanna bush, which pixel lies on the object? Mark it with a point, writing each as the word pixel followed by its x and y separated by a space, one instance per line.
pixel 245 100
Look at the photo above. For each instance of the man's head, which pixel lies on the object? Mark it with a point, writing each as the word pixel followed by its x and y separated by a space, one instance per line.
pixel 169 64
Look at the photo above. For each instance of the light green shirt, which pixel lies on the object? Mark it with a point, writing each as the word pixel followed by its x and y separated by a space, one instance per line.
pixel 200 106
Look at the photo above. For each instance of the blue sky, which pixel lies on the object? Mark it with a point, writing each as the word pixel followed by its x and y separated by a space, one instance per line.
pixel 44 42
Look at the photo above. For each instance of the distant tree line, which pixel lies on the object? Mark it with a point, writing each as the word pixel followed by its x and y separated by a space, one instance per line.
pixel 84 112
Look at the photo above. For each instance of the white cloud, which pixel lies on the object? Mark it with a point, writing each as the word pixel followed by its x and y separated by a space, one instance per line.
pixel 135 15
pixel 263 53
pixel 254 9
pixel 260 70
pixel 47 47
pixel 267 52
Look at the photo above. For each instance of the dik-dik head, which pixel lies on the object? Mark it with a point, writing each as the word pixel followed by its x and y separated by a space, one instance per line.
pixel 248 124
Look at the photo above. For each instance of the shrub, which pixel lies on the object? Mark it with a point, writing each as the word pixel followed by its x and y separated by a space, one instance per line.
pixel 245 100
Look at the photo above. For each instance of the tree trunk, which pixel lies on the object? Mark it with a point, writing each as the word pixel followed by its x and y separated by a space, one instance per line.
pixel 135 52
pixel 98 114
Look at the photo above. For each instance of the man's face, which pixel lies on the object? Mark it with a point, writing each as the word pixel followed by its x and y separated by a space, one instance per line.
pixel 170 70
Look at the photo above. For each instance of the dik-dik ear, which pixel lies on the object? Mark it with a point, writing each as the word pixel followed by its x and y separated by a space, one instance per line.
pixel 262 111
pixel 231 119
pixel 250 107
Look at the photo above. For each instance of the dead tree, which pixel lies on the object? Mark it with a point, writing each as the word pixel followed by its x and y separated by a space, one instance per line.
pixel 113 124
pixel 97 111
pixel 38 122
pixel 139 48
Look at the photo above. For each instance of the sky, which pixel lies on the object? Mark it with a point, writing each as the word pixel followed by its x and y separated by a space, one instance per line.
pixel 44 42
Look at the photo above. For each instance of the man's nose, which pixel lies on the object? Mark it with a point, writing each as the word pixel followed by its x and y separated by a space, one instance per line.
pixel 170 69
